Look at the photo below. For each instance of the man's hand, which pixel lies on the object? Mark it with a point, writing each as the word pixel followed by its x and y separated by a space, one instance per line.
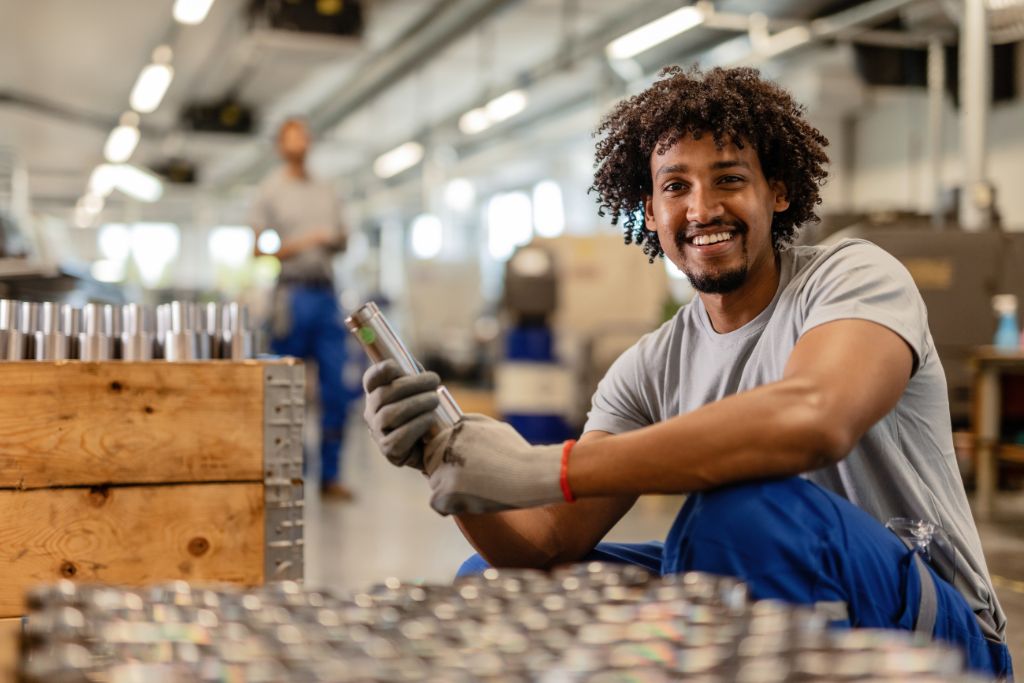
pixel 482 465
pixel 399 411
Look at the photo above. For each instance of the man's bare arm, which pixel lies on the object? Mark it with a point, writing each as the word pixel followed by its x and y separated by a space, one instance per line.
pixel 841 378
pixel 546 536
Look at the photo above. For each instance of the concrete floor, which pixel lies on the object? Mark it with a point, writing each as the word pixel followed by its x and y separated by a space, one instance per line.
pixel 390 530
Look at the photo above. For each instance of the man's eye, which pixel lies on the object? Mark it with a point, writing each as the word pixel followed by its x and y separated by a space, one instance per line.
pixel 730 179
pixel 673 187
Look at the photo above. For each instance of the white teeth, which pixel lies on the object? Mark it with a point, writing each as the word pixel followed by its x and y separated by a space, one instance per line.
pixel 701 240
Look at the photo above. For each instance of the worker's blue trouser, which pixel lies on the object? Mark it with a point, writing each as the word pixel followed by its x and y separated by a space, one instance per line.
pixel 315 331
pixel 792 540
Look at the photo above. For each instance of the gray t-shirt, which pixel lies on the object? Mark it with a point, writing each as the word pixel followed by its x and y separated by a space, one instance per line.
pixel 293 207
pixel 904 466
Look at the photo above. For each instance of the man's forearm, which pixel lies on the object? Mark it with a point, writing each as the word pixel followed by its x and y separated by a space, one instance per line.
pixel 778 429
pixel 516 538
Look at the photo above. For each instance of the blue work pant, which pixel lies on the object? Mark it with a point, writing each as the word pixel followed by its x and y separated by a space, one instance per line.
pixel 315 331
pixel 792 540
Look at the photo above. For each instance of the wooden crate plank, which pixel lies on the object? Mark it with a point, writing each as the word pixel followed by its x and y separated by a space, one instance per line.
pixel 10 639
pixel 129 535
pixel 70 423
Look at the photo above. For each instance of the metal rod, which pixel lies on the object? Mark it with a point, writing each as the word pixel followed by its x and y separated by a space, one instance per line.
pixel 975 95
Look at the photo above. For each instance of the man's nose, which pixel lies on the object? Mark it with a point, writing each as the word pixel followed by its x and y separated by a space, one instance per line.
pixel 704 206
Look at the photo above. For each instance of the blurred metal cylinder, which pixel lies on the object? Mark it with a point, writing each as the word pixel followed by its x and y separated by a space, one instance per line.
pixel 93 344
pixel 213 330
pixel 137 339
pixel 71 326
pixel 50 341
pixel 181 342
pixel 238 338
pixel 113 327
pixel 28 325
pixel 11 342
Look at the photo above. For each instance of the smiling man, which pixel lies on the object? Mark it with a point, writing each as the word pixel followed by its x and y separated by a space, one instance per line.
pixel 799 398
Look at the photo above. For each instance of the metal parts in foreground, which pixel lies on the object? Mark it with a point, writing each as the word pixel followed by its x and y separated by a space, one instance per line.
pixel 593 623
pixel 177 331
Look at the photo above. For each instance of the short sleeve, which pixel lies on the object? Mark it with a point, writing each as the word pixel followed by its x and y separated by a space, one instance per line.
pixel 862 281
pixel 619 403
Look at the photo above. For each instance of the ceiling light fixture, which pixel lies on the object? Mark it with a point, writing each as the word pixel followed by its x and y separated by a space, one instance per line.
pixel 655 33
pixel 153 81
pixel 499 109
pixel 131 180
pixel 123 140
pixel 399 159
pixel 191 12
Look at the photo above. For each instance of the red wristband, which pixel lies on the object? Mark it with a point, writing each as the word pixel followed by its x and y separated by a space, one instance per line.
pixel 564 478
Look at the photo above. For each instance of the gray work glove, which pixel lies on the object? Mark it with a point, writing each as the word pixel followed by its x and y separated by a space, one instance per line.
pixel 399 411
pixel 482 465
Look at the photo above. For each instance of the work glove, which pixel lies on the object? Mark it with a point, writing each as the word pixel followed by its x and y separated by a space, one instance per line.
pixel 482 465
pixel 399 411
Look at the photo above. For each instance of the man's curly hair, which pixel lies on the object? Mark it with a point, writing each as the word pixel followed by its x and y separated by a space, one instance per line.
pixel 732 105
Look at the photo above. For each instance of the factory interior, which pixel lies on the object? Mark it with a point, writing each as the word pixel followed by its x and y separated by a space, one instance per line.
pixel 319 323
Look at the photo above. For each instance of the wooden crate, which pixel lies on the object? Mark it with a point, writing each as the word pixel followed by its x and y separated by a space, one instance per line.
pixel 133 473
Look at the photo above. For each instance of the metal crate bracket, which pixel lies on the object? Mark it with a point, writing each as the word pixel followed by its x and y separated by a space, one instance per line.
pixel 284 409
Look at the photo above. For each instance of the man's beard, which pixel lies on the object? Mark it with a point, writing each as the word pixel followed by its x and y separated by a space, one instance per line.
pixel 717 282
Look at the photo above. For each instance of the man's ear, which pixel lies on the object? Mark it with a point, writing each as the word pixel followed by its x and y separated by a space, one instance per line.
pixel 781 196
pixel 649 211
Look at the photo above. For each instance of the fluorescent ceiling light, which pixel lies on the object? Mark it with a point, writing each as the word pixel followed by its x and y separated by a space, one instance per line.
pixel 90 203
pixel 399 159
pixel 123 140
pixel 153 81
pixel 497 110
pixel 474 121
pixel 191 12
pixel 654 33
pixel 131 180
pixel 506 106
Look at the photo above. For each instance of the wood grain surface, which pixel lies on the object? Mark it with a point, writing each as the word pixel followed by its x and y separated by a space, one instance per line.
pixel 70 423
pixel 129 535
pixel 10 637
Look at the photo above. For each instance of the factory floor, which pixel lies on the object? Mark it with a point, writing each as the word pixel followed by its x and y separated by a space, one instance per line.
pixel 389 530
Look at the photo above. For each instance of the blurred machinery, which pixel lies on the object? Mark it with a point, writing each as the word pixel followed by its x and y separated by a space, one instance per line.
pixel 533 389
pixel 958 273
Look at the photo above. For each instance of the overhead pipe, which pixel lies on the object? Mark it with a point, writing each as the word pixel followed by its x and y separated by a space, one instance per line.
pixel 936 97
pixel 975 94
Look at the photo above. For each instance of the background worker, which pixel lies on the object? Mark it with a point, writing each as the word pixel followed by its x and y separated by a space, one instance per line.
pixel 799 398
pixel 306 320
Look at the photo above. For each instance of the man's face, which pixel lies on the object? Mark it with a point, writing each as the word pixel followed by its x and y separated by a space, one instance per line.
pixel 293 141
pixel 712 209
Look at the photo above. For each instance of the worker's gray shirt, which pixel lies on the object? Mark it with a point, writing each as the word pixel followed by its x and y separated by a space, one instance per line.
pixel 904 466
pixel 294 207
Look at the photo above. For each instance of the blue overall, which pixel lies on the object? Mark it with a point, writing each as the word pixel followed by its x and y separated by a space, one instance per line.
pixel 316 332
pixel 792 540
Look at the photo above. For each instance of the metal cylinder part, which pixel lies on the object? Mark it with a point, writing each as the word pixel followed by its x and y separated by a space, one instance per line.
pixel 93 344
pixel 238 341
pixel 113 327
pixel 137 339
pixel 50 342
pixel 381 342
pixel 28 325
pixel 9 310
pixel 71 326
pixel 180 346
pixel 11 346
